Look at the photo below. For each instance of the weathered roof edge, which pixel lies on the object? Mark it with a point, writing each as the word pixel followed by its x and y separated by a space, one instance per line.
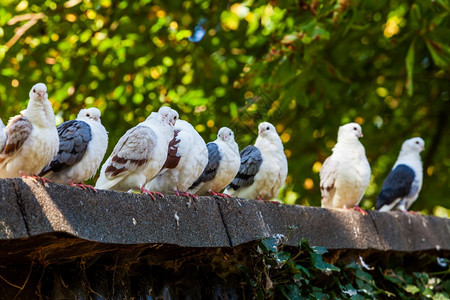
pixel 27 209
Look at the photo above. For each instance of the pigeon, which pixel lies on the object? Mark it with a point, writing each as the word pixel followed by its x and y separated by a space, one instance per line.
pixel 402 186
pixel 345 175
pixel 139 154
pixel 187 157
pixel 263 168
pixel 223 165
pixel 82 146
pixel 32 139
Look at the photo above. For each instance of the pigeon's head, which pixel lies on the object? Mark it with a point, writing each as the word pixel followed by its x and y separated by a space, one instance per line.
pixel 168 115
pixel 350 131
pixel 92 113
pixel 226 134
pixel 38 92
pixel 265 129
pixel 416 144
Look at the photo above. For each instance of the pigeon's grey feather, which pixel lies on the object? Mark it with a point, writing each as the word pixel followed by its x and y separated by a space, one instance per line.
pixel 210 171
pixel 74 137
pixel 251 161
pixel 397 185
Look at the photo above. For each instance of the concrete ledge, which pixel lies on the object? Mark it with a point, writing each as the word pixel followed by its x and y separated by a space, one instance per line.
pixel 29 210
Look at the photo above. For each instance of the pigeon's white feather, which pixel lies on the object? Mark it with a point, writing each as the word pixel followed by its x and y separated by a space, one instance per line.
pixel 32 139
pixel 345 175
pixel 224 169
pixel 140 153
pixel 93 151
pixel 186 159
pixel 272 171
pixel 3 136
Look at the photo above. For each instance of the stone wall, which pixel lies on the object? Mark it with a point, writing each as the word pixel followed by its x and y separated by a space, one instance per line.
pixel 63 242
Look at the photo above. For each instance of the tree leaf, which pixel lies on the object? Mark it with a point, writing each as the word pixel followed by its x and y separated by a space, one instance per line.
pixel 409 62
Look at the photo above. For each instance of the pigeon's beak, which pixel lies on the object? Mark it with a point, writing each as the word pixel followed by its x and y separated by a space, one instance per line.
pixel 41 94
pixel 96 119
pixel 361 135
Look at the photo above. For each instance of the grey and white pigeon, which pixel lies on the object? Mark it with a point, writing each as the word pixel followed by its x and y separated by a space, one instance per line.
pixel 402 186
pixel 263 168
pixel 345 175
pixel 223 165
pixel 140 153
pixel 32 139
pixel 187 157
pixel 82 146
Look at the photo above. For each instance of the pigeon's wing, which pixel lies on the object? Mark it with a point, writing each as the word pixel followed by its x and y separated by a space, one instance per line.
pixel 74 138
pixel 173 157
pixel 397 185
pixel 251 160
pixel 18 130
pixel 133 150
pixel 328 174
pixel 210 171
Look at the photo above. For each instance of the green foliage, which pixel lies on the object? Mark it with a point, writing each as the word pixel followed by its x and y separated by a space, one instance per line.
pixel 307 66
pixel 302 273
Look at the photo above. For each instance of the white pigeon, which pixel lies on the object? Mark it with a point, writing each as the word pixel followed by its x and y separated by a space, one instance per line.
pixel 263 168
pixel 139 154
pixel 223 165
pixel 402 186
pixel 345 175
pixel 32 139
pixel 187 157
pixel 82 146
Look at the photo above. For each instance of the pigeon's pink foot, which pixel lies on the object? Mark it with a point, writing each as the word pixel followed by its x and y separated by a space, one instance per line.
pixel 219 194
pixel 35 177
pixel 416 213
pixel 186 194
pixel 362 211
pixel 145 191
pixel 83 186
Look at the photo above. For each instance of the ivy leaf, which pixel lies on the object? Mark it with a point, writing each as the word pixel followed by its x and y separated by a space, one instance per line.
pixel 269 244
pixel 292 292
pixel 319 264
pixel 319 249
pixel 304 270
pixel 282 257
pixel 412 289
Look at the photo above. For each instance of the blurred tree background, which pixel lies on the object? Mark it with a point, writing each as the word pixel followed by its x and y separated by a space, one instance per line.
pixel 306 66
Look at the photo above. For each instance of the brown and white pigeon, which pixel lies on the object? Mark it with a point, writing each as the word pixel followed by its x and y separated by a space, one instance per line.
pixel 345 175
pixel 32 140
pixel 223 165
pixel 263 168
pixel 82 146
pixel 187 157
pixel 140 153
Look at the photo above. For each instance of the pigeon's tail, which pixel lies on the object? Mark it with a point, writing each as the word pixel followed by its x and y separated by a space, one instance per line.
pixel 385 203
pixel 106 184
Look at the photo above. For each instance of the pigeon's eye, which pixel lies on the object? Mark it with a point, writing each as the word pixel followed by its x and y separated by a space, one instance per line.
pixel 34 90
pixel 267 128
pixel 417 142
pixel 88 115
pixel 354 128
